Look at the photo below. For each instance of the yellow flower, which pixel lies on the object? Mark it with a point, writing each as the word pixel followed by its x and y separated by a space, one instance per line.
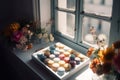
pixel 100 54
pixel 8 30
pixel 14 26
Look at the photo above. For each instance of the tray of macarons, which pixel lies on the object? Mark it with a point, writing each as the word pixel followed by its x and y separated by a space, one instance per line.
pixel 61 60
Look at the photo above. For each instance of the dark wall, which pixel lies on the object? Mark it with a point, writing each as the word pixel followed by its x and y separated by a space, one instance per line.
pixel 12 10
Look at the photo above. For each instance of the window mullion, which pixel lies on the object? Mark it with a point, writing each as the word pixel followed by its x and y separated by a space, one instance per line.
pixel 53 15
pixel 56 16
pixel 96 16
pixel 79 20
pixel 36 8
pixel 76 20
pixel 65 10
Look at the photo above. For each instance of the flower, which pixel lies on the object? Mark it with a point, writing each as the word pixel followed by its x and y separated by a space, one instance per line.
pixel 23 33
pixel 39 35
pixel 105 60
pixel 107 54
pixel 43 32
pixel 51 37
pixel 18 36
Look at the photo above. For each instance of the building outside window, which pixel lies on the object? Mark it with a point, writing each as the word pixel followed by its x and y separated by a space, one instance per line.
pixel 86 22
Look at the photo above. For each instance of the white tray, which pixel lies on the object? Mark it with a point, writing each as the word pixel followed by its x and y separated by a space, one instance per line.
pixel 68 73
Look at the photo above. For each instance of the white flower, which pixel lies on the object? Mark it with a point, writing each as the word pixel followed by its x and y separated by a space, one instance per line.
pixel 30 34
pixel 29 31
pixel 28 25
pixel 51 38
pixel 39 35
pixel 45 35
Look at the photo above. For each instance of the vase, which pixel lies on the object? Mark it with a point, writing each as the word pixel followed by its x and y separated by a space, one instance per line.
pixel 117 75
pixel 109 77
pixel 96 77
pixel 104 77
pixel 36 40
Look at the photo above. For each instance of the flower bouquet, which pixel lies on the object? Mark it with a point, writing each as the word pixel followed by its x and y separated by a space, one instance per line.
pixel 19 36
pixel 105 61
pixel 23 33
pixel 41 33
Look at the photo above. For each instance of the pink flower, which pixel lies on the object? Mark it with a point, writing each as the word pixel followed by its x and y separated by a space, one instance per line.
pixel 16 36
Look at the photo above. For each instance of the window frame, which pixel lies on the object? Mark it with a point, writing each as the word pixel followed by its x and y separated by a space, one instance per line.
pixel 114 31
pixel 63 10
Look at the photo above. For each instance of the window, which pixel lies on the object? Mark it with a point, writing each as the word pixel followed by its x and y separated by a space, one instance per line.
pixel 92 27
pixel 86 22
pixel 65 19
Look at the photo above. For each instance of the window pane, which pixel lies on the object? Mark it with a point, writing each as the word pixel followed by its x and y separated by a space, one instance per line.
pixel 67 4
pixel 98 7
pixel 94 30
pixel 66 23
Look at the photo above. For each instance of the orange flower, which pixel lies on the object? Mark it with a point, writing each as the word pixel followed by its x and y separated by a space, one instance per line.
pixel 106 60
pixel 89 52
pixel 94 64
pixel 8 31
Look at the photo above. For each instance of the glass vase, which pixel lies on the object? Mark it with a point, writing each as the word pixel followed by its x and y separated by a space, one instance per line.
pixel 36 40
pixel 109 77
pixel 117 75
pixel 103 77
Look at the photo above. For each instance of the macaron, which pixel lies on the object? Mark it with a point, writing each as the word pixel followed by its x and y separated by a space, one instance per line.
pixel 56 59
pixel 50 62
pixel 52 47
pixel 72 57
pixel 61 63
pixel 47 53
pixel 55 66
pixel 67 67
pixel 61 71
pixel 52 56
pixel 61 56
pixel 67 59
pixel 67 54
pixel 41 57
pixel 77 59
pixel 56 53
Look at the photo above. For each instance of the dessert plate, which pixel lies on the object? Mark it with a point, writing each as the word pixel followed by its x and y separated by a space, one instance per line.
pixel 40 58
